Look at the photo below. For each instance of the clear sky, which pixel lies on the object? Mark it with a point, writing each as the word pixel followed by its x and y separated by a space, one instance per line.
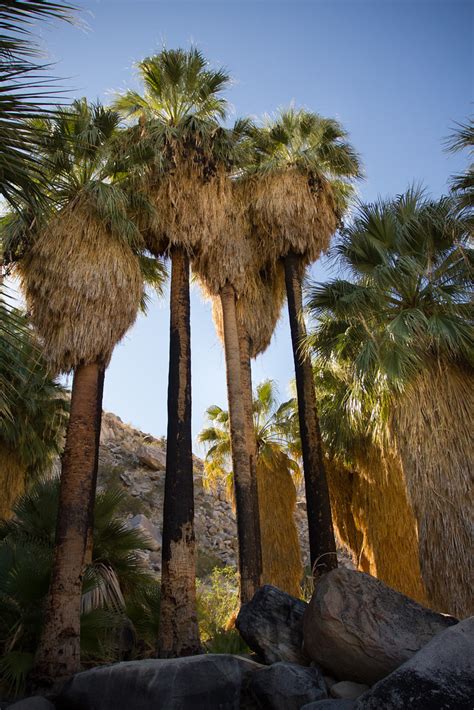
pixel 396 73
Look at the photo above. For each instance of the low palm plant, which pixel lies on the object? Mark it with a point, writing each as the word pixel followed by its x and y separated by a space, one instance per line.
pixel 115 580
pixel 277 467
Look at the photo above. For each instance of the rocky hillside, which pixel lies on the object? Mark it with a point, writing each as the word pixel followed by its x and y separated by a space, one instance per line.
pixel 136 461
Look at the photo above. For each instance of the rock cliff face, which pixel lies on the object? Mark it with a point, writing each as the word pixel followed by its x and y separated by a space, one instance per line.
pixel 136 461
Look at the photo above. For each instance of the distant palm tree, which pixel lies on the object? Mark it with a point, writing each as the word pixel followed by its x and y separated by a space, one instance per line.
pixel 276 468
pixel 178 113
pixel 400 331
pixel 83 286
pixel 32 429
pixel 298 185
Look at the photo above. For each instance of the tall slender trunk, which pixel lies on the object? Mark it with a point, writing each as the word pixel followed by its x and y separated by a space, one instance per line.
pixel 247 395
pixel 250 557
pixel 90 526
pixel 58 654
pixel 178 632
pixel 322 544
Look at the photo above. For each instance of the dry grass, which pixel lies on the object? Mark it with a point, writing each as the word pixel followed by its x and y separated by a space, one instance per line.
pixel 83 288
pixel 432 434
pixel 281 555
pixel 373 517
pixel 289 214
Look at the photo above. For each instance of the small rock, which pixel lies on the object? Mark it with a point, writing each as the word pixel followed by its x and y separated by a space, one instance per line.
pixel 348 690
pixel 439 677
pixel 152 457
pixel 271 625
pixel 359 629
pixel 329 680
pixel 36 702
pixel 286 686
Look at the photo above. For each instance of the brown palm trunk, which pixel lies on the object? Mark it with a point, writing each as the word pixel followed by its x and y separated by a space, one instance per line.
pixel 250 557
pixel 58 654
pixel 322 544
pixel 247 394
pixel 178 632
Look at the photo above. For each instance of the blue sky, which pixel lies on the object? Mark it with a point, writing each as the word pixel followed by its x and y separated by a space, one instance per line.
pixel 396 73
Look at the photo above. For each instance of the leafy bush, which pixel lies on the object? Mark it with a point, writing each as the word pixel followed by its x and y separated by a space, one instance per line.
pixel 218 605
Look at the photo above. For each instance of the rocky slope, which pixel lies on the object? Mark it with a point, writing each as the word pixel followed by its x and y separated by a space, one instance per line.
pixel 136 461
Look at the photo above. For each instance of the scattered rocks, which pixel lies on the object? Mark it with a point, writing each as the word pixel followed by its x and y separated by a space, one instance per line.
pixel 36 702
pixel 359 629
pixel 286 686
pixel 205 682
pixel 439 677
pixel 271 625
pixel 347 690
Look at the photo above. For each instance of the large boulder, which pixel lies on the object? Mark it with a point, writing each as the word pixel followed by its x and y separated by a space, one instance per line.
pixel 152 457
pixel 359 629
pixel 144 525
pixel 205 682
pixel 286 686
pixel 271 624
pixel 439 677
pixel 331 705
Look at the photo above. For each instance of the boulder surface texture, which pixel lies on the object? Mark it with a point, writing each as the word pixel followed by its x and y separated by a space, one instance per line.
pixel 271 625
pixel 35 702
pixel 286 686
pixel 206 682
pixel 359 629
pixel 439 677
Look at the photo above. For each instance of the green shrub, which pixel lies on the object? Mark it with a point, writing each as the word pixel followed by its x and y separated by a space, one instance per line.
pixel 218 605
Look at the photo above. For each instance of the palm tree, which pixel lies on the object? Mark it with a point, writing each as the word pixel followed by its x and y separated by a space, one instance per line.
pixel 83 286
pixel 298 184
pixel 401 329
pixel 272 433
pixel 178 114
pixel 32 429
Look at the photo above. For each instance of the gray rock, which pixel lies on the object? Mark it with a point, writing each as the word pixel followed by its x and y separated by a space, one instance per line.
pixel 286 686
pixel 331 705
pixel 359 629
pixel 348 690
pixel 206 682
pixel 142 523
pixel 152 457
pixel 439 677
pixel 36 702
pixel 271 625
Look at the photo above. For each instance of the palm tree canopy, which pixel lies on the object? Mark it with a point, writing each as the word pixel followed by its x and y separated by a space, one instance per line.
pixel 25 94
pixel 463 185
pixel 178 87
pixel 408 301
pixel 299 182
pixel 80 264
